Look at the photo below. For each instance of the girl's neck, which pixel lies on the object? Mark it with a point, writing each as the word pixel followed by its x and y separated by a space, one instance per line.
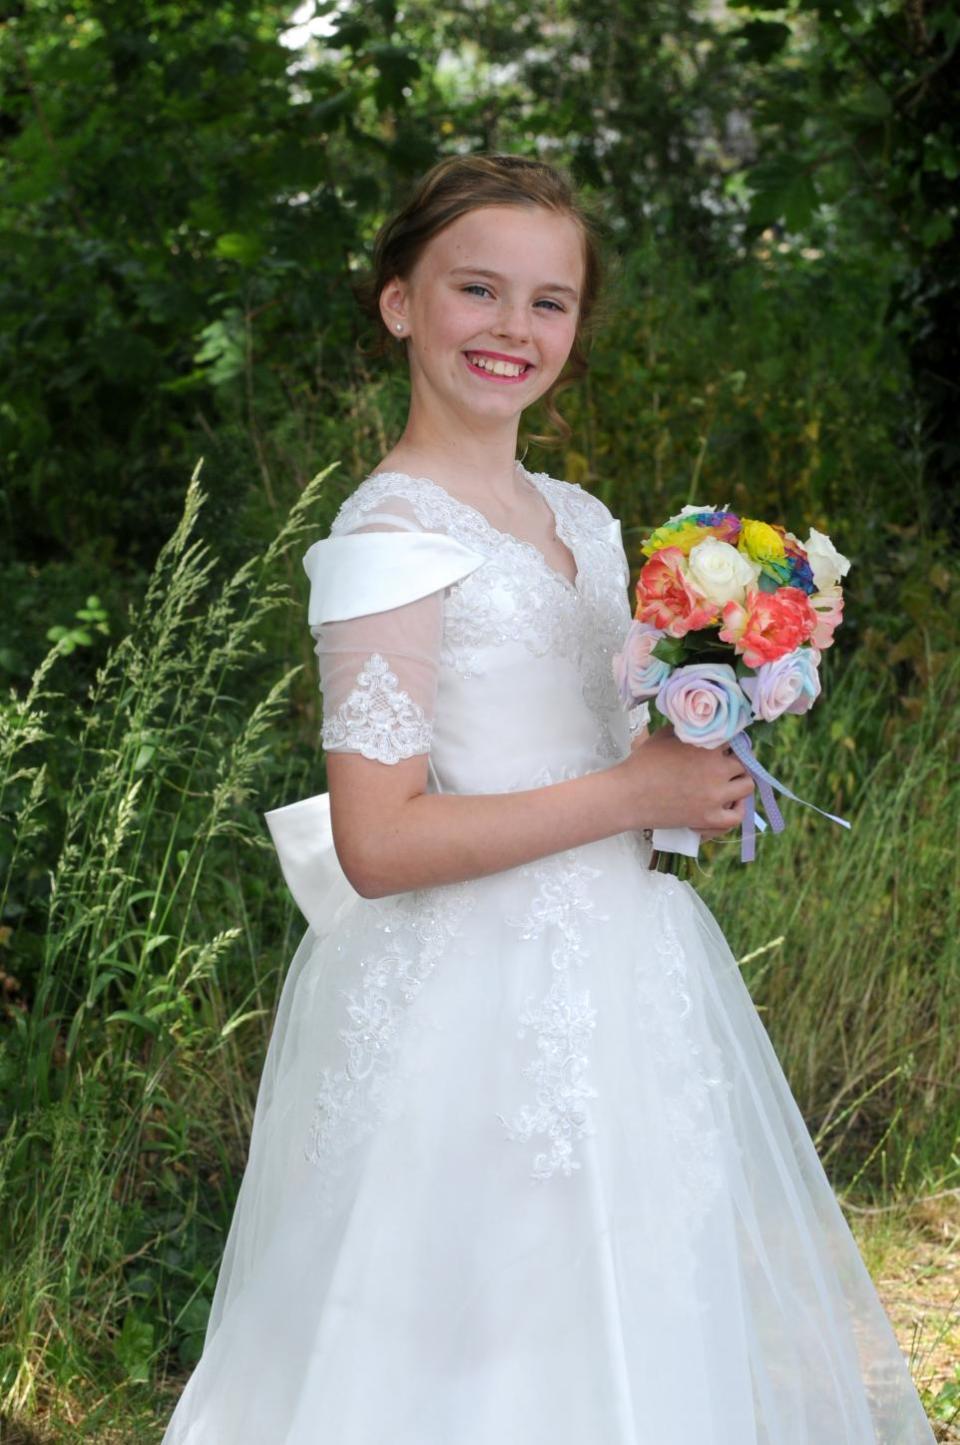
pixel 472 468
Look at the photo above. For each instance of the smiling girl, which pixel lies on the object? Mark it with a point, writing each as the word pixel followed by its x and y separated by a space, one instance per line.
pixel 525 1169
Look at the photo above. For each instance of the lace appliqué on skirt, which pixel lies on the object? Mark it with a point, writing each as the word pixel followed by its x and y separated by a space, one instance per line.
pixel 412 933
pixel 562 1021
pixel 378 719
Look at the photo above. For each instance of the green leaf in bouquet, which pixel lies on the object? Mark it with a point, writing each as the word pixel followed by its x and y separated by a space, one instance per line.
pixel 706 640
pixel 670 650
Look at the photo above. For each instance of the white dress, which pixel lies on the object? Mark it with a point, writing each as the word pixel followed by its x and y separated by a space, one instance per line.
pixel 525 1169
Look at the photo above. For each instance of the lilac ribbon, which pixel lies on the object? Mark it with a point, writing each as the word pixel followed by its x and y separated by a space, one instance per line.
pixel 766 783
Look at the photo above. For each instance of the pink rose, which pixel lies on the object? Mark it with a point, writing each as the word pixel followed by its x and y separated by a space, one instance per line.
pixel 770 625
pixel 791 684
pixel 666 599
pixel 829 609
pixel 637 672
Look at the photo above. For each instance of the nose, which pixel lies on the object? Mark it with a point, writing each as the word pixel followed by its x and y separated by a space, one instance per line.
pixel 514 321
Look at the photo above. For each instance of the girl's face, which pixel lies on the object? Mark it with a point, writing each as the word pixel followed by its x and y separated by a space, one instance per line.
pixel 490 309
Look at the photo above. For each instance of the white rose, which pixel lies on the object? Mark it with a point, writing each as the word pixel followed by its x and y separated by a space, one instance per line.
pixel 827 564
pixel 690 510
pixel 720 572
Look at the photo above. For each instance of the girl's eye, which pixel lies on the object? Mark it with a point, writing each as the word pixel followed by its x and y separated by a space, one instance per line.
pixel 475 287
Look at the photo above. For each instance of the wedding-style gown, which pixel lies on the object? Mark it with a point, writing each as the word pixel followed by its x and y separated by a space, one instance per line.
pixel 525 1169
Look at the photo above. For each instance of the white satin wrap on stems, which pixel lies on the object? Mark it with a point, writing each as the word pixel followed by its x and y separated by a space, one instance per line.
pixel 677 840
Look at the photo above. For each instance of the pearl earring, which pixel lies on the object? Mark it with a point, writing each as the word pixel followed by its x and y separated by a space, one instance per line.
pixel 399 325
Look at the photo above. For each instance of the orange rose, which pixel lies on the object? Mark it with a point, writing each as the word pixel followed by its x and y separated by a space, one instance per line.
pixel 666 599
pixel 770 625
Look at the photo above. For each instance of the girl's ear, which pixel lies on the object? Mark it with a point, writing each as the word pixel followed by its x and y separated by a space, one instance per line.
pixel 393 307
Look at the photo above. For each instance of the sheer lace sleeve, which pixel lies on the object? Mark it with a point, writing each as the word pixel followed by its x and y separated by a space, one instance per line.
pixel 378 672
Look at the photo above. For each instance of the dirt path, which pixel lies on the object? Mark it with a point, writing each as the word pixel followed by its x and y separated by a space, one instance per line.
pixel 913 1254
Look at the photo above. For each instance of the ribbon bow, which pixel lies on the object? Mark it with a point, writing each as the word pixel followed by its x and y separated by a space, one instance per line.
pixel 766 784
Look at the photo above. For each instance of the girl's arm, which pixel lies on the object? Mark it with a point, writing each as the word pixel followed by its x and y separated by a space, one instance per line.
pixel 391 835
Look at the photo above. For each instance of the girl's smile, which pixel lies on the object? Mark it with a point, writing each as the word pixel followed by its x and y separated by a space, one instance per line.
pixel 495 366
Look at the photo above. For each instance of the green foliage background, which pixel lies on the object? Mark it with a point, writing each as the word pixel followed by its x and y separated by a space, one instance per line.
pixel 183 201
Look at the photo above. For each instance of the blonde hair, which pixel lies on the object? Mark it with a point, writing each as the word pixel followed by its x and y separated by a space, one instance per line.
pixel 459 184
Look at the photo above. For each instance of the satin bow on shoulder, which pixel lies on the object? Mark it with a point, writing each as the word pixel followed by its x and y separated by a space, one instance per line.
pixel 353 576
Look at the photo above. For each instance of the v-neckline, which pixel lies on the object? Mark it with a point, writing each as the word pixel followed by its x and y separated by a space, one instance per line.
pixel 531 477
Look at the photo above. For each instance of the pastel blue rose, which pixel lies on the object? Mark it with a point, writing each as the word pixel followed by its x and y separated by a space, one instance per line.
pixel 639 675
pixel 705 704
pixel 791 684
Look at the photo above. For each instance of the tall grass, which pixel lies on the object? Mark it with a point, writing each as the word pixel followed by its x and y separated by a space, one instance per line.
pixel 145 976
pixel 141 978
pixel 862 995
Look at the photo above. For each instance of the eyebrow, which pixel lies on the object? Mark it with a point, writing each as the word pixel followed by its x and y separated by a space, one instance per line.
pixel 496 276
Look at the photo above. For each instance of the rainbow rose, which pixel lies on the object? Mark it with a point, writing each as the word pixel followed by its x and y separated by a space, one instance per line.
pixel 690 526
pixel 764 545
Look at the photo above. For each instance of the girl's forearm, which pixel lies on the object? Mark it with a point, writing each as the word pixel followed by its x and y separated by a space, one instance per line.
pixel 435 838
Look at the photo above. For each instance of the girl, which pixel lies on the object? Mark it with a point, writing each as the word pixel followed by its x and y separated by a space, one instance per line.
pixel 525 1169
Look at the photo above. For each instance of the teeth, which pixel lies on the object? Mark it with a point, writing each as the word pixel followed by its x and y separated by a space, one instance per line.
pixel 498 368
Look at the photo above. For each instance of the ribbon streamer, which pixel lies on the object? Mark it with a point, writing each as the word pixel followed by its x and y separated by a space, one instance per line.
pixel 766 784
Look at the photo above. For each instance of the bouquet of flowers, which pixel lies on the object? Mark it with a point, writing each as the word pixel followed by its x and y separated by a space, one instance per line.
pixel 732 617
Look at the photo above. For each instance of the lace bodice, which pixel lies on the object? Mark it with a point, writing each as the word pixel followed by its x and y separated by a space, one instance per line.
pixel 503 673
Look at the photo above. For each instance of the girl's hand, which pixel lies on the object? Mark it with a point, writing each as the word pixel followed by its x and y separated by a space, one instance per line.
pixel 670 784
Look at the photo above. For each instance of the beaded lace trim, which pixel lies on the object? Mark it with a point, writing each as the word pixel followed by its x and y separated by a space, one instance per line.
pixel 378 719
pixel 562 1021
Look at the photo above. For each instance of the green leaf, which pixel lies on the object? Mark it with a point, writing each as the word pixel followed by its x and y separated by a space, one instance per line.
pixel 235 246
pixel 134 1347
pixel 139 1021
pixel 157 941
pixel 671 650
pixel 800 200
pixel 871 103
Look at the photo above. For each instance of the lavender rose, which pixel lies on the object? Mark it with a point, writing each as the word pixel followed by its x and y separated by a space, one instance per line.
pixel 791 684
pixel 637 672
pixel 705 704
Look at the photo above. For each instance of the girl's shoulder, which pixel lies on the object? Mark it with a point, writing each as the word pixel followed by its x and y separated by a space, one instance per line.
pixel 390 496
pixel 575 505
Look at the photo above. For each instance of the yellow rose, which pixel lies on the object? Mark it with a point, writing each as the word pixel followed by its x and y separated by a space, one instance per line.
pixel 760 542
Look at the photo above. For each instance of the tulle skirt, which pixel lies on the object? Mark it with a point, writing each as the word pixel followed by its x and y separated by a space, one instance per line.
pixel 525 1170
